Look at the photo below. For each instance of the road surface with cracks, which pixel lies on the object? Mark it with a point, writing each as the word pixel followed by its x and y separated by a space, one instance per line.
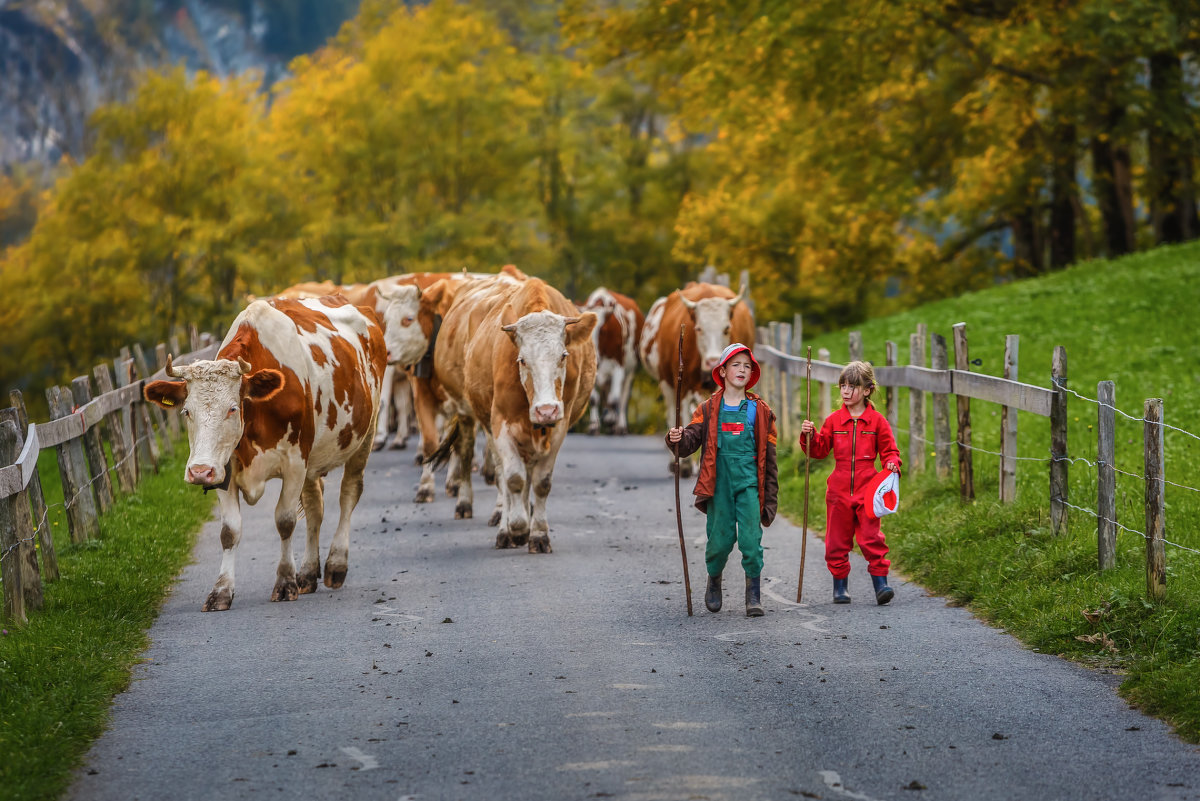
pixel 447 669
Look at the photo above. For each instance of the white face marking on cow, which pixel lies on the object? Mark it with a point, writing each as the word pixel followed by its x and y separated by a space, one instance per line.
pixel 712 317
pixel 406 342
pixel 213 414
pixel 541 341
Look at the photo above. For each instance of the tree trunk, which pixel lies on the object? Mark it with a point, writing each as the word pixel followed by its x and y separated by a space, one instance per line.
pixel 1062 196
pixel 1172 200
pixel 1112 185
pixel 1027 243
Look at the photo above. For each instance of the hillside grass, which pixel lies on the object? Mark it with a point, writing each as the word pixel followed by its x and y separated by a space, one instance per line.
pixel 1125 321
pixel 60 671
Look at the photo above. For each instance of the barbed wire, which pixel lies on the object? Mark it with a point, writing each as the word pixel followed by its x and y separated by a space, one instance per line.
pixel 1142 534
pixel 1115 469
pixel 961 444
pixel 1058 383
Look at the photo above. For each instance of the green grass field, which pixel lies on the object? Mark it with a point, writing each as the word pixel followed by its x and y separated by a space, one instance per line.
pixel 1124 321
pixel 59 672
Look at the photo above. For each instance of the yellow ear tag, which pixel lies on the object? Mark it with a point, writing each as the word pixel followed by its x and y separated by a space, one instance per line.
pixel 168 402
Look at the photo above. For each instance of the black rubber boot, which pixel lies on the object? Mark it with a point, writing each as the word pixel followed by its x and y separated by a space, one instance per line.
pixel 883 593
pixel 712 595
pixel 754 607
pixel 840 596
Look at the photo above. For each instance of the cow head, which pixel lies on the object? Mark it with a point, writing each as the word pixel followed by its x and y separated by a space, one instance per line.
pixel 209 398
pixel 543 340
pixel 712 318
pixel 406 342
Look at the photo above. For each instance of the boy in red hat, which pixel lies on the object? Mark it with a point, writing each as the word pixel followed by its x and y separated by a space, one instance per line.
pixel 856 434
pixel 738 484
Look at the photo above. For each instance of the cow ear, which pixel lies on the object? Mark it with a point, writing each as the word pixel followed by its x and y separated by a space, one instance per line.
pixel 508 321
pixel 581 327
pixel 432 296
pixel 166 394
pixel 262 385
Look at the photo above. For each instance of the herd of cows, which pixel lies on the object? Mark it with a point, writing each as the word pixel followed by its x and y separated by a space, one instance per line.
pixel 306 382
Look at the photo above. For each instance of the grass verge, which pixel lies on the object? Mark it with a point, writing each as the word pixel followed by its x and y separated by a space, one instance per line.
pixel 60 671
pixel 1117 320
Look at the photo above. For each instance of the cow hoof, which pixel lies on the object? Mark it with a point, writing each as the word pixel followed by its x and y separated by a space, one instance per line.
pixel 378 444
pixel 494 520
pixel 463 511
pixel 489 477
pixel 540 544
pixel 285 590
pixel 420 460
pixel 685 469
pixel 307 582
pixel 504 540
pixel 452 490
pixel 399 445
pixel 218 601
pixel 334 578
pixel 424 495
pixel 593 430
pixel 620 431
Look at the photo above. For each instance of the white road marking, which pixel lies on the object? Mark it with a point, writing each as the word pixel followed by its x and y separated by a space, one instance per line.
pixel 368 762
pixel 603 765
pixel 813 617
pixel 384 609
pixel 834 782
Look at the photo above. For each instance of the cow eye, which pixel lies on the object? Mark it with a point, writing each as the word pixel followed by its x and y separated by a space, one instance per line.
pixel 184 411
pixel 565 354
pixel 520 360
pixel 726 329
pixel 233 410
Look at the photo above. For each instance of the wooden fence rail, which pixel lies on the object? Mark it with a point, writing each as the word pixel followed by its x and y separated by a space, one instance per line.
pixel 80 426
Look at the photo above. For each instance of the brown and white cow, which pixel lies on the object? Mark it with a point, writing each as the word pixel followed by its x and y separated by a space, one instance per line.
pixel 513 357
pixel 616 336
pixel 713 317
pixel 292 394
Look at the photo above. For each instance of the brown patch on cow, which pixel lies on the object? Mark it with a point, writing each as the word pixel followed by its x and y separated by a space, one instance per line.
pixel 285 525
pixel 227 537
pixel 333 301
pixel 317 402
pixel 307 319
pixel 346 436
pixel 611 339
pixel 268 422
pixel 331 416
pixel 318 355
pixel 542 488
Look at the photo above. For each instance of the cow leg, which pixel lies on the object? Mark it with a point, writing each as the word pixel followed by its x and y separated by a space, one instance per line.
pixel 338 560
pixel 623 402
pixel 594 412
pixel 221 596
pixel 540 475
pixel 385 399
pixel 453 473
pixel 460 468
pixel 514 519
pixel 402 400
pixel 487 470
pixel 290 493
pixel 312 498
pixel 426 408
pixel 612 403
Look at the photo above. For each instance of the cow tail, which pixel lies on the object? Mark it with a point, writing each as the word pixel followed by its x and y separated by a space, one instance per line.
pixel 437 460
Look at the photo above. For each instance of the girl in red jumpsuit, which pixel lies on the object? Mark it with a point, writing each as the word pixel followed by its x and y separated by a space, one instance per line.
pixel 856 434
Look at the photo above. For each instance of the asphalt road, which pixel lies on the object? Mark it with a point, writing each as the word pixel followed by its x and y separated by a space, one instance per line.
pixel 447 669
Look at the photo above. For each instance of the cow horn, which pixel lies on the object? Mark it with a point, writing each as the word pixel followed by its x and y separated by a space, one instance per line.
pixel 511 328
pixel 690 304
pixel 245 366
pixel 170 369
pixel 734 301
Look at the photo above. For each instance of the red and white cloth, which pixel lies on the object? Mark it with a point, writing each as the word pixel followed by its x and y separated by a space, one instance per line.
pixel 882 494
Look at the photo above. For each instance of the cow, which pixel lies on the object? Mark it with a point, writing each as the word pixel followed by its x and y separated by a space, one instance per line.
pixel 292 394
pixel 516 358
pixel 616 336
pixel 713 317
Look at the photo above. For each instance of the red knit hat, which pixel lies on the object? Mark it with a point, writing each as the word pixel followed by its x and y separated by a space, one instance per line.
pixel 732 350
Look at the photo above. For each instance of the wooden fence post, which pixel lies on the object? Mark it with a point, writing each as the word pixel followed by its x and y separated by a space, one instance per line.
pixel 119 437
pixel 775 379
pixel 172 417
pixel 1058 443
pixel 14 519
pixel 916 410
pixel 142 410
pixel 1106 478
pixel 156 411
pixel 767 377
pixel 143 461
pixel 1008 426
pixel 784 412
pixel 940 360
pixel 193 337
pixel 37 499
pixel 856 346
pixel 822 391
pixel 81 391
pixel 797 349
pixel 12 512
pixel 78 494
pixel 966 464
pixel 1156 562
pixel 891 394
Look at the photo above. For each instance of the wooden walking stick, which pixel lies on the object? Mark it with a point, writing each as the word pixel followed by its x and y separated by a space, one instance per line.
pixel 687 581
pixel 808 450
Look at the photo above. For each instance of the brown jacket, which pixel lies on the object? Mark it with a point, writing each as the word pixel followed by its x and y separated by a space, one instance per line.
pixel 703 429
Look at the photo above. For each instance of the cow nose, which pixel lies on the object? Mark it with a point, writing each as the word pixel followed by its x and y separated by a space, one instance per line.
pixel 547 413
pixel 709 364
pixel 201 474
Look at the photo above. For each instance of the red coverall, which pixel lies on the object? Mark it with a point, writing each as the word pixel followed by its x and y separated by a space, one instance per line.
pixel 855 443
